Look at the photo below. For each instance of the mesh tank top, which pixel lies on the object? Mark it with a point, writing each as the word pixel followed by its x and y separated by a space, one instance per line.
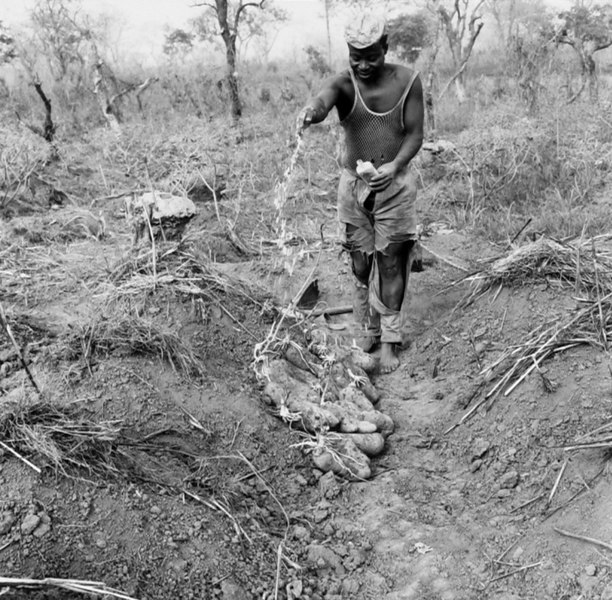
pixel 373 136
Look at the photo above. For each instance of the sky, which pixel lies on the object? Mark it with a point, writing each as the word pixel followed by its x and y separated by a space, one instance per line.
pixel 139 25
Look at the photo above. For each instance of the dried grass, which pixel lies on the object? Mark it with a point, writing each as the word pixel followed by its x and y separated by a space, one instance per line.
pixel 579 263
pixel 130 334
pixel 576 264
pixel 63 437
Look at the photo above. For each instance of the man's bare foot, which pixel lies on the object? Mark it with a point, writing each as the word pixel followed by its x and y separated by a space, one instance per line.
pixel 367 342
pixel 389 361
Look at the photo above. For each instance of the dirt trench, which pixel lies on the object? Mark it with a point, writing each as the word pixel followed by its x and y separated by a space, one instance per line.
pixel 449 515
pixel 473 511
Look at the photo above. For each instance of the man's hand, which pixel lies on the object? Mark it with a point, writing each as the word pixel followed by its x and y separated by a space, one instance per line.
pixel 304 119
pixel 386 174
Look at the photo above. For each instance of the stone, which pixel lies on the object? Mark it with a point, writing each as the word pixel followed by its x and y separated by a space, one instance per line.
pixel 42 530
pixel 509 480
pixel 328 486
pixel 301 533
pixel 232 591
pixel 29 524
pixel 479 448
pixel 590 570
pixel 7 520
pixel 324 558
pixel 166 213
pixel 476 464
pixel 350 587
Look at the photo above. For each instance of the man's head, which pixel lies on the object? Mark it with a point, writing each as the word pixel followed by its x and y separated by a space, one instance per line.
pixel 366 36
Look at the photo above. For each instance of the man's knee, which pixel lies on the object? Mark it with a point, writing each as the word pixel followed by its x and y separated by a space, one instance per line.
pixel 390 266
pixel 361 267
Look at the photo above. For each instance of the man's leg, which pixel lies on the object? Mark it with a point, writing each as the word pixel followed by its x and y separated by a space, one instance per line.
pixel 392 273
pixel 366 319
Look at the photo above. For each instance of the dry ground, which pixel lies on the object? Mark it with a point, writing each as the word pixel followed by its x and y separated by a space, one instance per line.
pixel 202 493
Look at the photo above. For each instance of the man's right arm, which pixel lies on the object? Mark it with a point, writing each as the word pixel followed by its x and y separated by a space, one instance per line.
pixel 320 106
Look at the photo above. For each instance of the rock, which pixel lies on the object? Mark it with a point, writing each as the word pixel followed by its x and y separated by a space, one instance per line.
pixel 7 520
pixel 509 480
pixel 328 486
pixel 232 591
pixel 590 570
pixel 166 213
pixel 29 524
pixel 320 515
pixel 294 589
pixel 503 493
pixel 476 464
pixel 350 587
pixel 301 533
pixel 101 543
pixel 323 557
pixel 42 530
pixel 479 448
pixel 155 510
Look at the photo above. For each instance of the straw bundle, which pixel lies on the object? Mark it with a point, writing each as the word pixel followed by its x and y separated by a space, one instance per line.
pixel 579 263
pixel 598 438
pixel 95 588
pixel 128 334
pixel 62 437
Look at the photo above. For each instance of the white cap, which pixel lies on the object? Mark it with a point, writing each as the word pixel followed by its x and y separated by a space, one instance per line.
pixel 365 30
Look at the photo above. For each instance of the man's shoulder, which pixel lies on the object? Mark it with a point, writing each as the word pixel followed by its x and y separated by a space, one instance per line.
pixel 402 73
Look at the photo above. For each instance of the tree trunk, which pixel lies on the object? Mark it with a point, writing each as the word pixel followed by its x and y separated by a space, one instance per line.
pixel 229 39
pixel 591 76
pixel 232 80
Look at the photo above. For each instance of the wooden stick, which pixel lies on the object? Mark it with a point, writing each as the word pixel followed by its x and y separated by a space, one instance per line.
pixel 525 504
pixel 584 538
pixel 557 482
pixel 21 458
pixel 332 310
pixel 531 566
pixel 9 333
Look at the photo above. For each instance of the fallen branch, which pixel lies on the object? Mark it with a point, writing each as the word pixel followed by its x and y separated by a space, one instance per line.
pixel 73 585
pixel 7 329
pixel 583 538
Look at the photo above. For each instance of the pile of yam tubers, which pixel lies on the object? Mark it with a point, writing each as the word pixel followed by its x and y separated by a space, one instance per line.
pixel 325 390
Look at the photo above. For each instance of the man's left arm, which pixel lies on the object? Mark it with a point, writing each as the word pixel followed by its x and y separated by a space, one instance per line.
pixel 413 139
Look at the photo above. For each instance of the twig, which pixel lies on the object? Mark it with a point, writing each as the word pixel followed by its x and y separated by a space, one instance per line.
pixel 9 333
pixel 443 259
pixel 279 558
pixel 511 573
pixel 578 493
pixel 520 231
pixel 584 538
pixel 557 482
pixel 74 585
pixel 21 458
pixel 525 504
pixel 332 310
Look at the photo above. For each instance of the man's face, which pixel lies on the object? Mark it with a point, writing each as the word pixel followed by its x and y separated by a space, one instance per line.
pixel 367 63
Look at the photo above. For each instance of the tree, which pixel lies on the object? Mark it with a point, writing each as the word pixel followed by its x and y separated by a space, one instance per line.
pixel 178 42
pixel 462 23
pixel 8 51
pixel 587 30
pixel 228 15
pixel 409 34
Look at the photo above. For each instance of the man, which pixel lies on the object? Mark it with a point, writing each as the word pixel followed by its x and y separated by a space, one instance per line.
pixel 380 107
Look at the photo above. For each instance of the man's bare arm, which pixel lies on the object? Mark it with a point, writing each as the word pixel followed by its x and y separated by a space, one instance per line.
pixel 320 106
pixel 413 139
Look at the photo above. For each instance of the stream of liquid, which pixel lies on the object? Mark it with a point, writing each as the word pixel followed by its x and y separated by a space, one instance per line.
pixel 281 194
